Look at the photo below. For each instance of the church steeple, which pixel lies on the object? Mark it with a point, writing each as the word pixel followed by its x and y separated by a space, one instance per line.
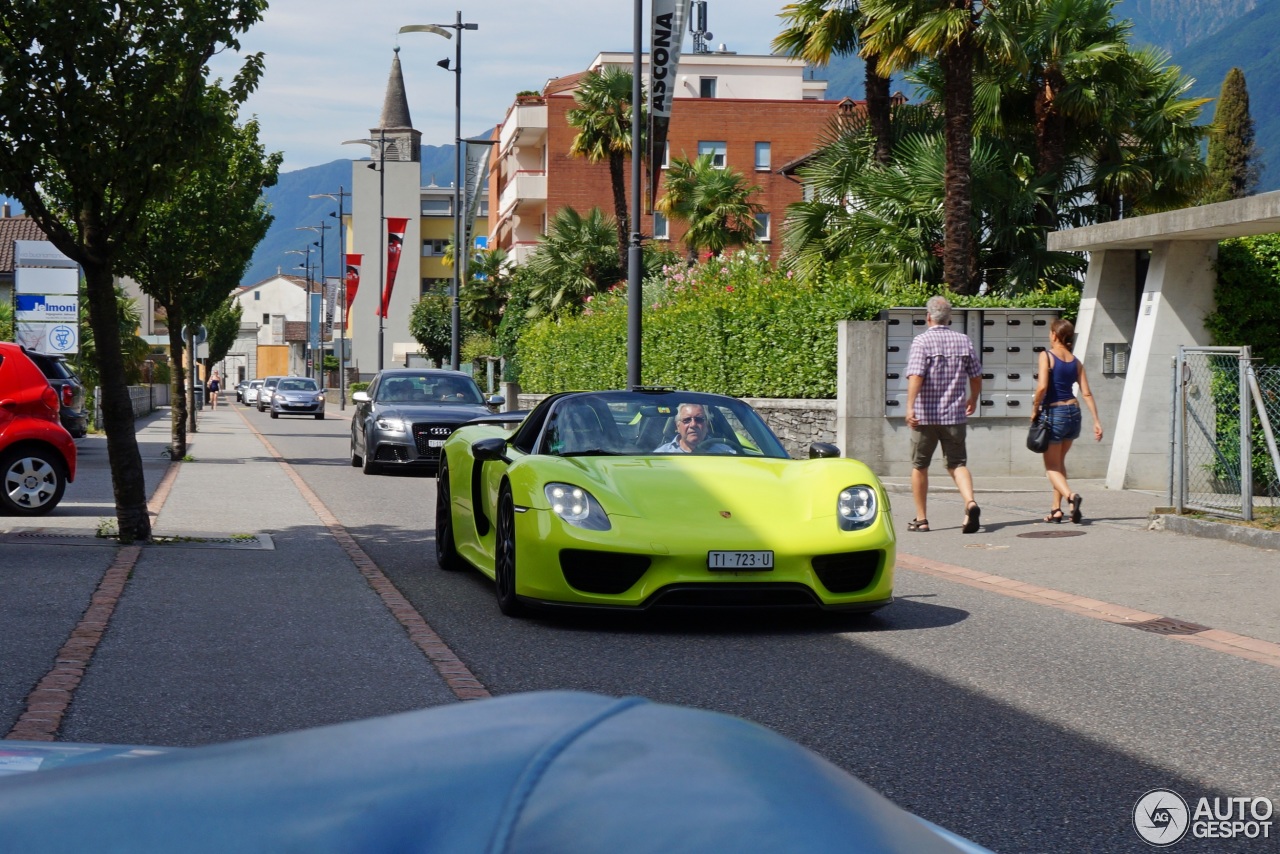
pixel 402 142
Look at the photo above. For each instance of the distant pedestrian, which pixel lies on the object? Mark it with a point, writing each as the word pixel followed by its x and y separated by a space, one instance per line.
pixel 1059 372
pixel 944 379
pixel 215 386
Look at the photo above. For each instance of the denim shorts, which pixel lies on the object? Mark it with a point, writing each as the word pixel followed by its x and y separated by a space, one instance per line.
pixel 1064 422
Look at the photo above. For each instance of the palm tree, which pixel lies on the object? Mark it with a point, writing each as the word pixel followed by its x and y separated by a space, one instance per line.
pixel 817 30
pixel 575 259
pixel 603 120
pixel 485 294
pixel 953 34
pixel 715 203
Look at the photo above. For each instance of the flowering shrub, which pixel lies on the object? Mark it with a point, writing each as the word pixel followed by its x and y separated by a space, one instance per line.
pixel 733 324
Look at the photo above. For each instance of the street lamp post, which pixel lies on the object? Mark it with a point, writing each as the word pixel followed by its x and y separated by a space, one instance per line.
pixel 455 321
pixel 306 265
pixel 321 229
pixel 342 276
pixel 381 166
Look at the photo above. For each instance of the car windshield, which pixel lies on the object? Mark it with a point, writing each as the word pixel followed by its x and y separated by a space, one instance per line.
pixel 297 384
pixel 429 389
pixel 646 423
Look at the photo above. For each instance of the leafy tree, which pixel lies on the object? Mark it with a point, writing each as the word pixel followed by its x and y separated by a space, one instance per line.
pixel 485 294
pixel 815 31
pixel 1233 159
pixel 200 238
pixel 574 259
pixel 603 120
pixel 6 321
pixel 223 326
pixel 714 203
pixel 102 107
pixel 431 325
pixel 134 350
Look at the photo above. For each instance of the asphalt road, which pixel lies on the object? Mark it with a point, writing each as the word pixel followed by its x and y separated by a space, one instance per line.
pixel 1021 727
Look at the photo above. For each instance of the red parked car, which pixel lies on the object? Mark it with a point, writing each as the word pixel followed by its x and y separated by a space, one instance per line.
pixel 37 454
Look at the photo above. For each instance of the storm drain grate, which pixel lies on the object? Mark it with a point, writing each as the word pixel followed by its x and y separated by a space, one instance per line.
pixel 1050 535
pixel 246 542
pixel 1169 626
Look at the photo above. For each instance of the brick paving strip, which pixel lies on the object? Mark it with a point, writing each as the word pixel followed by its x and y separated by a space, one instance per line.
pixel 461 681
pixel 48 702
pixel 1241 646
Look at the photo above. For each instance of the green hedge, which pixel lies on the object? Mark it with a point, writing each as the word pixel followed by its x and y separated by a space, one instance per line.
pixel 733 325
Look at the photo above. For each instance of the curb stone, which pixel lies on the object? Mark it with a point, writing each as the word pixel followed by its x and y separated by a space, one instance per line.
pixel 1241 534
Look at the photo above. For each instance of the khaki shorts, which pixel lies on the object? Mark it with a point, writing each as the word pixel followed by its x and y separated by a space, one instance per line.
pixel 925 439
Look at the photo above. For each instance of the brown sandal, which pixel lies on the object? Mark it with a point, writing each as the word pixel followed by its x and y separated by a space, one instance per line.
pixel 972 518
pixel 1054 515
pixel 920 525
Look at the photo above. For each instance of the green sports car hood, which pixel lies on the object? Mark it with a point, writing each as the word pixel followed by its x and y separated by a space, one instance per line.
pixel 692 490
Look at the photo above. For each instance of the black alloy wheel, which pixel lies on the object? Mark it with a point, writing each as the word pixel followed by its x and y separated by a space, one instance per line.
pixel 370 467
pixel 504 562
pixel 446 551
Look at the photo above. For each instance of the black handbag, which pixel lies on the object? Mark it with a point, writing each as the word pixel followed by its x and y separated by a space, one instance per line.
pixel 1038 435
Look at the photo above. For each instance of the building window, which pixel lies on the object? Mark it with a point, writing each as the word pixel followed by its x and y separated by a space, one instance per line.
pixel 436 285
pixel 484 206
pixel 257 294
pixel 266 320
pixel 706 87
pixel 432 248
pixel 717 150
pixel 763 154
pixel 762 227
pixel 660 229
pixel 437 206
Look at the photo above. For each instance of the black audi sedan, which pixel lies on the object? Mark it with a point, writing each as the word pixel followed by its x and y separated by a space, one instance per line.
pixel 403 418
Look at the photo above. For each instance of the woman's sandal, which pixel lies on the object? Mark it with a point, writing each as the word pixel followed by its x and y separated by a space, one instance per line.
pixel 1076 501
pixel 1054 515
pixel 972 516
pixel 921 525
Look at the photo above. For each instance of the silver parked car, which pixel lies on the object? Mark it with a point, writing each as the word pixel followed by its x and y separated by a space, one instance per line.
pixel 298 396
pixel 251 392
pixel 264 393
pixel 403 418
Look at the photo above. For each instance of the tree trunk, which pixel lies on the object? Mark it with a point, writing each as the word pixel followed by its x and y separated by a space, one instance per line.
pixel 878 108
pixel 127 477
pixel 959 250
pixel 618 180
pixel 1050 144
pixel 178 393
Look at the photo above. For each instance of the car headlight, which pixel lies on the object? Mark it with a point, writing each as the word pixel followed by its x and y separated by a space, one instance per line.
pixel 318 398
pixel 856 507
pixel 576 506
pixel 390 425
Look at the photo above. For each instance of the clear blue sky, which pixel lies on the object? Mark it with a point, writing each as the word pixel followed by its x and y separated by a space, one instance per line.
pixel 327 62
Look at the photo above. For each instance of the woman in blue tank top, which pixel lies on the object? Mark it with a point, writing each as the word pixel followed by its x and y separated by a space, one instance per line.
pixel 1059 373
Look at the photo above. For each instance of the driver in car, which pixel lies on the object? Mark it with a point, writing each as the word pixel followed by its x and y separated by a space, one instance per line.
pixel 693 434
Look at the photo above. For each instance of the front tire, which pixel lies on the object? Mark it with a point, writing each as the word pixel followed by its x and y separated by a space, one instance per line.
pixel 504 563
pixel 370 467
pixel 446 550
pixel 32 481
pixel 275 415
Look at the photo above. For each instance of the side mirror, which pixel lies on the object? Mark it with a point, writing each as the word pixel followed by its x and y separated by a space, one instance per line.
pixel 822 451
pixel 490 450
pixel 496 400
pixel 360 397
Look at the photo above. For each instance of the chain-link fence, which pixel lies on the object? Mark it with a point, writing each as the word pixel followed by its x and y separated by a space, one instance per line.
pixel 1225 411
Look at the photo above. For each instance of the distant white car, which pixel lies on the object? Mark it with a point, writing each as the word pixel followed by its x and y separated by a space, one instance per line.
pixel 251 393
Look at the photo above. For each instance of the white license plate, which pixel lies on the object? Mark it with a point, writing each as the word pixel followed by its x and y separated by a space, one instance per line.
pixel 740 561
pixel 435 443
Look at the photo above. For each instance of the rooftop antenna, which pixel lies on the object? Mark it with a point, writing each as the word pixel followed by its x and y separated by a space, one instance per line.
pixel 698 26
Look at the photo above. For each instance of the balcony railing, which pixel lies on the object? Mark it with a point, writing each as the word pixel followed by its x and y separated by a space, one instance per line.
pixel 524 186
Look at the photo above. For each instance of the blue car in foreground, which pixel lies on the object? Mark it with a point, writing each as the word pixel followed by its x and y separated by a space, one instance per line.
pixel 561 772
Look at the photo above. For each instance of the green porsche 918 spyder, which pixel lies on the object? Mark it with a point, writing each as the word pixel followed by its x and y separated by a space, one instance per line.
pixel 659 498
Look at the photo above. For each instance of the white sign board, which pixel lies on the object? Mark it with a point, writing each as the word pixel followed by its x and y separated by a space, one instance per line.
pixel 58 308
pixel 53 338
pixel 39 253
pixel 46 280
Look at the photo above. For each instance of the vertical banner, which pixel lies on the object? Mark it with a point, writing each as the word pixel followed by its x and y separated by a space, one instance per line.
pixel 666 37
pixel 395 243
pixel 353 283
pixel 313 331
pixel 477 170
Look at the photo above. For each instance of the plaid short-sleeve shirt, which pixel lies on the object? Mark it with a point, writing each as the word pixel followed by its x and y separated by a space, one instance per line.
pixel 947 360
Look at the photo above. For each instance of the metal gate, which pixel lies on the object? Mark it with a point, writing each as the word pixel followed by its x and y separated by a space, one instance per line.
pixel 1225 458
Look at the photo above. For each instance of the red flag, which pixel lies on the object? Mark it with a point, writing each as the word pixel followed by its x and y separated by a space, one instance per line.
pixel 395 241
pixel 353 280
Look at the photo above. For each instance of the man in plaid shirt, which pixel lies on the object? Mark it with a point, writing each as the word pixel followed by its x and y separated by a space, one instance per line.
pixel 943 365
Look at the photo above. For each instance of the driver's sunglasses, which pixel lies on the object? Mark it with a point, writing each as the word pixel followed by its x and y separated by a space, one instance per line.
pixel 693 419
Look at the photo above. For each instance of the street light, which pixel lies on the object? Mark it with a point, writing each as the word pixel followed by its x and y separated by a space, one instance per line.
pixel 381 166
pixel 306 265
pixel 321 229
pixel 342 275
pixel 455 321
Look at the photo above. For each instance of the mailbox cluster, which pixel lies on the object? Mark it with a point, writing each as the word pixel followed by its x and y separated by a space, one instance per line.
pixel 1009 341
